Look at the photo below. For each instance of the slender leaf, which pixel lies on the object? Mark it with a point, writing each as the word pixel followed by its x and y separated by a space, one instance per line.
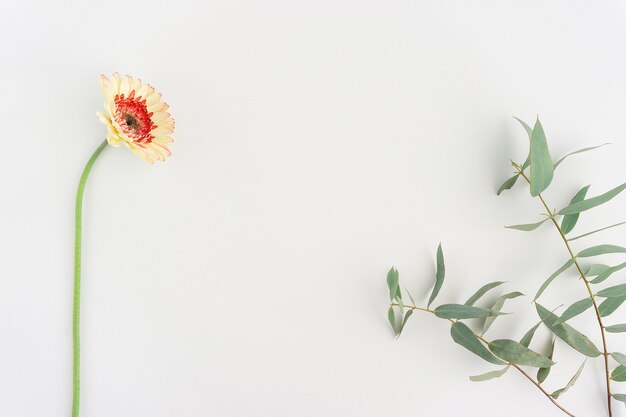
pixel 616 328
pixel 508 184
pixel 410 296
pixel 525 341
pixel 461 311
pixel 497 306
pixel 619 397
pixel 596 231
pixel 551 278
pixel 393 279
pixel 439 275
pixel 575 309
pixel 595 269
pixel 462 335
pixel 619 358
pixel 513 352
pixel 593 202
pixel 528 227
pixel 541 166
pixel 391 316
pixel 600 250
pixel 489 375
pixel 607 273
pixel 612 292
pixel 619 374
pixel 556 394
pixel 567 333
pixel 557 163
pixel 529 131
pixel 609 305
pixel 570 220
pixel 542 373
pixel 482 291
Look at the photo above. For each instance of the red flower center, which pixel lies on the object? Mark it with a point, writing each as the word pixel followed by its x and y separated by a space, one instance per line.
pixel 131 114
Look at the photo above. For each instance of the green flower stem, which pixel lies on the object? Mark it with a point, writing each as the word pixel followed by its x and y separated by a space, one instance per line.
pixel 605 352
pixel 479 337
pixel 78 231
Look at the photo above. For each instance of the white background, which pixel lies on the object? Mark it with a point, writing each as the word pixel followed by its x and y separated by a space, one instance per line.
pixel 317 144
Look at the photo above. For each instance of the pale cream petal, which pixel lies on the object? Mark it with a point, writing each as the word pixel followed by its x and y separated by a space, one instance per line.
pixel 115 83
pixel 163 140
pixel 161 131
pixel 125 86
pixel 159 117
pixel 153 99
pixel 114 140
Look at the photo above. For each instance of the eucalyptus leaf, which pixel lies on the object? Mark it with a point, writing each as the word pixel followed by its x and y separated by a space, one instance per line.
pixel 408 314
pixel 497 306
pixel 542 373
pixel 595 270
pixel 619 397
pixel 616 328
pixel 556 394
pixel 393 279
pixel 528 227
pixel 513 352
pixel 462 335
pixel 541 166
pixel 570 220
pixel 593 202
pixel 557 163
pixel 619 358
pixel 482 291
pixel 615 291
pixel 529 131
pixel 439 275
pixel 526 339
pixel 619 374
pixel 551 278
pixel 607 273
pixel 575 309
pixel 391 316
pixel 596 231
pixel 600 250
pixel 461 311
pixel 508 184
pixel 567 333
pixel 609 305
pixel 490 375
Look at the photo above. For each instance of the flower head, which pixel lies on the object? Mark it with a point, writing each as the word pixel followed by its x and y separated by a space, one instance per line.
pixel 136 117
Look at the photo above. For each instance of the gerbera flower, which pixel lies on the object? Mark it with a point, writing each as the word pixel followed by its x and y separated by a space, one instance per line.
pixel 136 117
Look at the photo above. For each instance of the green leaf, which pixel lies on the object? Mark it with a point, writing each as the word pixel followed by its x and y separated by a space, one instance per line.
pixel 619 374
pixel 567 333
pixel 528 227
pixel 497 306
pixel 575 309
pixel 529 131
pixel 461 311
pixel 439 275
pixel 570 220
pixel 609 305
pixel 619 358
pixel 408 314
pixel 596 231
pixel 482 291
pixel 508 184
pixel 615 291
pixel 525 341
pixel 551 278
pixel 595 269
pixel 600 250
pixel 541 166
pixel 391 316
pixel 393 279
pixel 607 273
pixel 619 397
pixel 490 375
pixel 577 152
pixel 593 202
pixel 542 373
pixel 616 328
pixel 462 335
pixel 513 352
pixel 570 384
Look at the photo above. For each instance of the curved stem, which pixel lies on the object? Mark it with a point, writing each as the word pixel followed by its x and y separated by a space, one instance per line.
pixel 78 220
pixel 535 383
pixel 591 295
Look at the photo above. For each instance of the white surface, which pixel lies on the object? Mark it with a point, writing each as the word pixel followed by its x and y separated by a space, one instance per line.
pixel 317 144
